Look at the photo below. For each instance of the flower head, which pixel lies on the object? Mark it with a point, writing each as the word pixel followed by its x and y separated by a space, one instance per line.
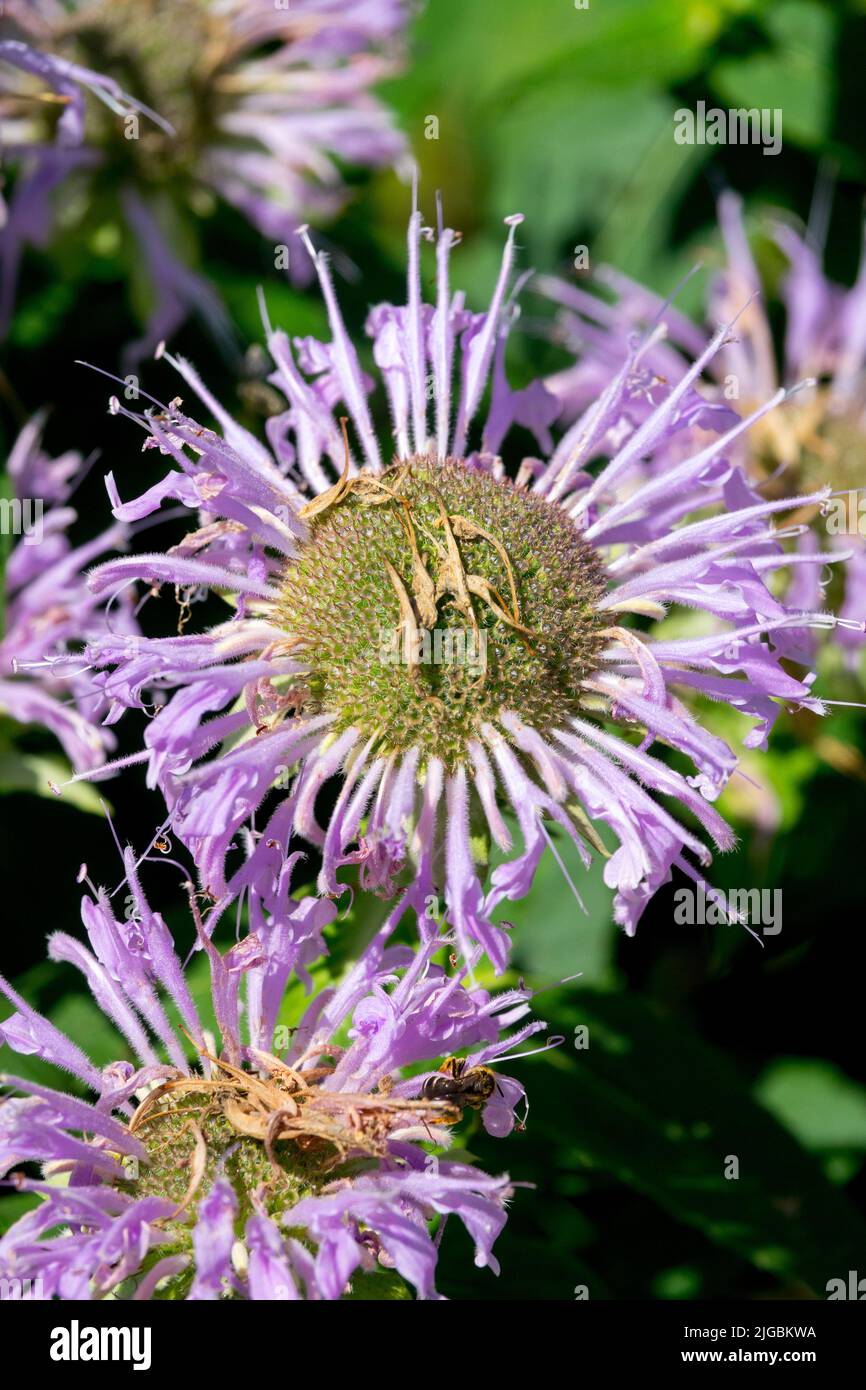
pixel 347 573
pixel 287 1160
pixel 50 612
pixel 255 103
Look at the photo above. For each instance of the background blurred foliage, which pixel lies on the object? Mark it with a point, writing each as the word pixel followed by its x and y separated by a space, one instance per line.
pixel 565 114
pixel 702 1042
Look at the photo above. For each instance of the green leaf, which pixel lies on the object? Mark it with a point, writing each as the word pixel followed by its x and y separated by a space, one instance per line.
pixel 14 1205
pixel 552 937
pixel 614 165
pixel 666 1114
pixel 381 1286
pixel 524 44
pixel 795 76
pixel 33 772
pixel 816 1102
pixel 40 317
pixel 298 314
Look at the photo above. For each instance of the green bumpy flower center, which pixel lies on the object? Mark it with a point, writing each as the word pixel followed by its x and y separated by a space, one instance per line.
pixel 172 1140
pixel 175 1172
pixel 276 1138
pixel 162 52
pixel 430 598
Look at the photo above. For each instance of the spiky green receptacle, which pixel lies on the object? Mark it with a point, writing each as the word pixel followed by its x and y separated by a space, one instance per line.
pixel 171 1139
pixel 339 606
pixel 164 53
pixel 170 1170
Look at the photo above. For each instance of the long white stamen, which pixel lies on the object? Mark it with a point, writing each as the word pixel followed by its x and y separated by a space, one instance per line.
pixel 515 1056
pixel 559 860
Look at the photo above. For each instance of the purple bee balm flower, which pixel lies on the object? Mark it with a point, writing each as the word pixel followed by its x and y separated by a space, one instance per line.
pixel 258 103
pixel 51 614
pixel 286 1162
pixel 445 640
pixel 818 442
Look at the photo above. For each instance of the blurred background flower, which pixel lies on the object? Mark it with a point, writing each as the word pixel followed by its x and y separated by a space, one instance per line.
pixel 46 681
pixel 256 103
pixel 819 440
